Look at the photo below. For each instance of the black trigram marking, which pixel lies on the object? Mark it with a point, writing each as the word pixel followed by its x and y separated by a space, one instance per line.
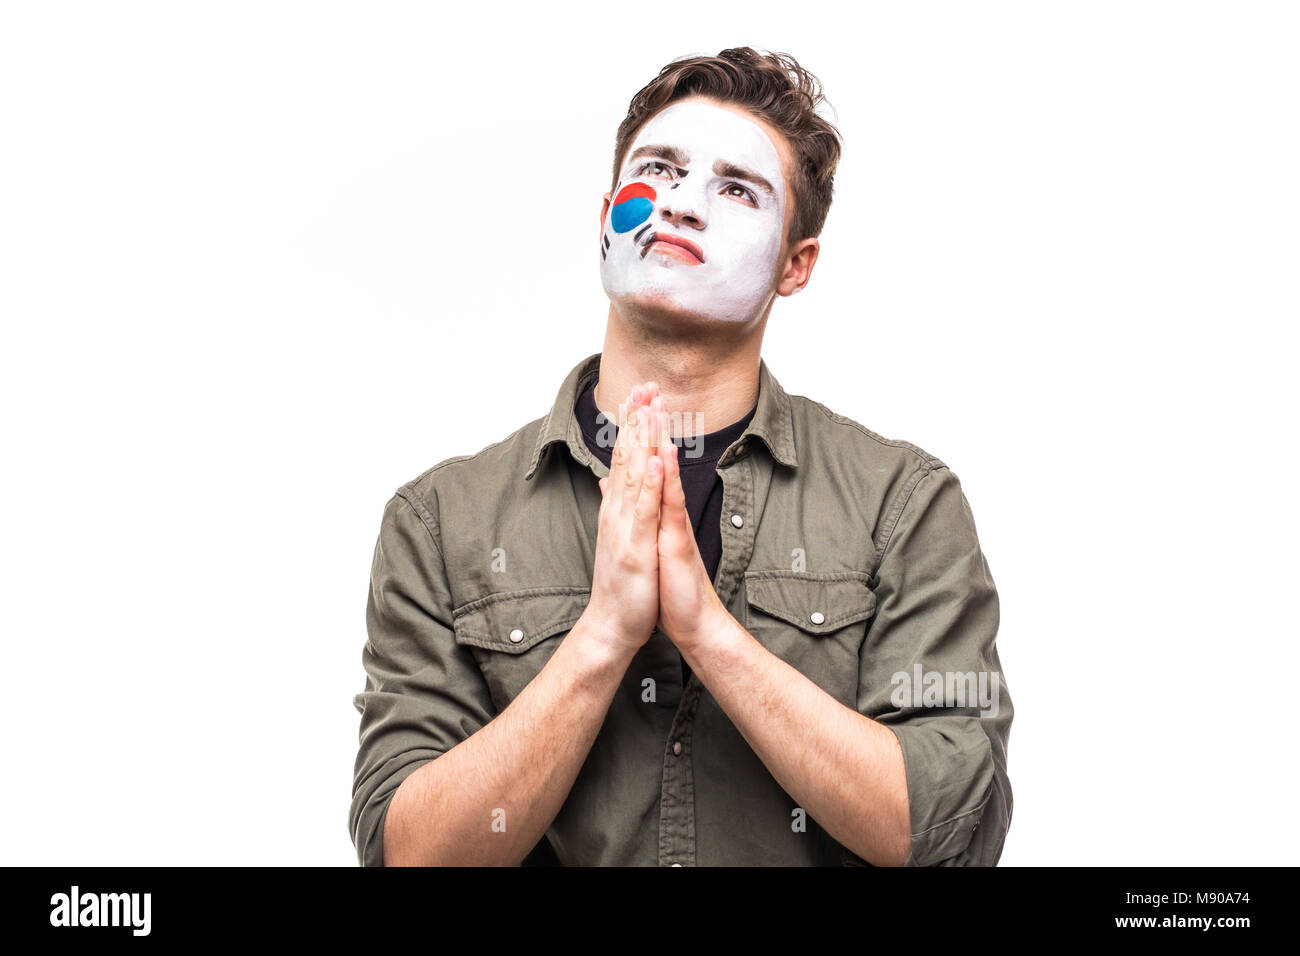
pixel 640 232
pixel 604 237
pixel 674 185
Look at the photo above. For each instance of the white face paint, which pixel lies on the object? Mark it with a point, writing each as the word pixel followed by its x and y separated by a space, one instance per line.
pixel 712 179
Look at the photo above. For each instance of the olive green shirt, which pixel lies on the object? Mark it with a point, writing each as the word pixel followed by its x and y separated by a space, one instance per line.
pixel 851 557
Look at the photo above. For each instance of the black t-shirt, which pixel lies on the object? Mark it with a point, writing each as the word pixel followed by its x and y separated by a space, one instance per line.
pixel 700 479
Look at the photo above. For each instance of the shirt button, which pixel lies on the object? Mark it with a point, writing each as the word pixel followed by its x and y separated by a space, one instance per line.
pixel 516 636
pixel 737 520
pixel 817 617
pixel 677 748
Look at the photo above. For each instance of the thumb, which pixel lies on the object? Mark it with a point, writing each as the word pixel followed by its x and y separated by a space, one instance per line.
pixel 674 505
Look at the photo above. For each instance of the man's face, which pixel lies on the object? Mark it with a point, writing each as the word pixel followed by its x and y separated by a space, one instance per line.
pixel 696 222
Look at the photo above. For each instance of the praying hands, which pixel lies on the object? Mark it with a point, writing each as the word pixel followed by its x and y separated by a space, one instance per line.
pixel 647 556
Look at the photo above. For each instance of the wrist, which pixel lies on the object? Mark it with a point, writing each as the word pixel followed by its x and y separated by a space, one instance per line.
pixel 601 645
pixel 715 629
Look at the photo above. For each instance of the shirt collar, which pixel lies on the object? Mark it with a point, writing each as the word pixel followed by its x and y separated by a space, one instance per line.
pixel 772 421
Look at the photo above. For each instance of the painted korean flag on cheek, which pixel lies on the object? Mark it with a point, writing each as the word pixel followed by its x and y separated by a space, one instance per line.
pixel 696 220
pixel 630 208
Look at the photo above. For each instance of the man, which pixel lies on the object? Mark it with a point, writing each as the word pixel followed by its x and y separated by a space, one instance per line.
pixel 735 629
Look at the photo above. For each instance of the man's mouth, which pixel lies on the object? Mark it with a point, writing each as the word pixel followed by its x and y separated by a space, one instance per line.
pixel 676 246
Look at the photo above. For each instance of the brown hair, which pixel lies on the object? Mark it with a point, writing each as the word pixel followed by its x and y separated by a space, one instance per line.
pixel 774 87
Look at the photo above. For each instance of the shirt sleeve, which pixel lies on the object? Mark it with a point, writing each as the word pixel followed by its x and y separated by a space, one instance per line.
pixel 423 692
pixel 931 674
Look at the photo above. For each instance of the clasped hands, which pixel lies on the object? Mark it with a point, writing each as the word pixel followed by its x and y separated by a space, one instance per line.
pixel 648 572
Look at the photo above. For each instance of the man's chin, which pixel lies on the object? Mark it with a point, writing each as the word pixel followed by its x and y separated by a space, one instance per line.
pixel 668 311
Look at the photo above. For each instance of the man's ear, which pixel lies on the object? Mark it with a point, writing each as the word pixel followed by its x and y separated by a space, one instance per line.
pixel 604 211
pixel 798 266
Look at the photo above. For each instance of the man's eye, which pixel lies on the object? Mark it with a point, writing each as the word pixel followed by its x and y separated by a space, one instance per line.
pixel 655 169
pixel 741 193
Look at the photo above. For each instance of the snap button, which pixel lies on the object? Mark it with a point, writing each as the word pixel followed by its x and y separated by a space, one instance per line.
pixel 737 520
pixel 817 617
pixel 677 748
pixel 516 636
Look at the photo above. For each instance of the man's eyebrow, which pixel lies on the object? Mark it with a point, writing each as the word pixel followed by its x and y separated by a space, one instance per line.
pixel 732 171
pixel 670 154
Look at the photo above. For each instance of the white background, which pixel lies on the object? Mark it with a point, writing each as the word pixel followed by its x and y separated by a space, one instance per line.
pixel 255 256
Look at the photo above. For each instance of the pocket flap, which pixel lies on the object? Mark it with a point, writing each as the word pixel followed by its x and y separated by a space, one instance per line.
pixel 816 602
pixel 514 621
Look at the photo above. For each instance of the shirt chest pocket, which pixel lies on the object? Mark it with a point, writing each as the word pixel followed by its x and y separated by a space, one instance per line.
pixel 513 634
pixel 814 621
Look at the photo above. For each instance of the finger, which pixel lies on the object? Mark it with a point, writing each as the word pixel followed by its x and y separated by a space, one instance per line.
pixel 645 527
pixel 668 452
pixel 647 443
pixel 674 515
pixel 619 455
pixel 665 433
pixel 637 455
pixel 625 413
pixel 635 452
pixel 655 423
pixel 617 462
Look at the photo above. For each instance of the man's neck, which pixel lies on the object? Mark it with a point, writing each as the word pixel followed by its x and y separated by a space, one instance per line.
pixel 708 381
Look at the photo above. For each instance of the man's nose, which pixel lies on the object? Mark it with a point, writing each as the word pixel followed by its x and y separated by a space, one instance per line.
pixel 683 206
